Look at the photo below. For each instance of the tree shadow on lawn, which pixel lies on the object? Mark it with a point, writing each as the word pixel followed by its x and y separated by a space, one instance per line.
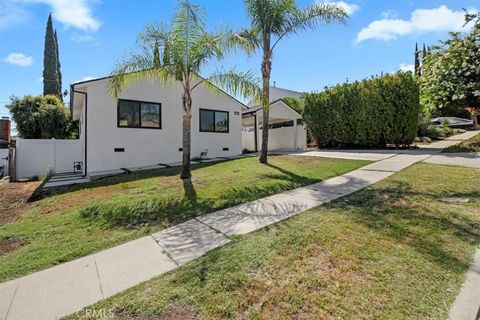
pixel 133 212
pixel 122 178
pixel 404 222
pixel 293 177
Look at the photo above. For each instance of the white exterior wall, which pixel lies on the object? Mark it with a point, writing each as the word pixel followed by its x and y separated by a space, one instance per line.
pixel 302 137
pixel 278 139
pixel 145 147
pixel 35 157
pixel 248 140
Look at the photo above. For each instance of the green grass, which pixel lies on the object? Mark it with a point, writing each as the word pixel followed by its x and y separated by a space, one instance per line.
pixel 471 145
pixel 396 250
pixel 76 221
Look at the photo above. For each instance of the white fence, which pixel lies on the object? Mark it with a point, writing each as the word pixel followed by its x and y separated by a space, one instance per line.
pixel 35 157
pixel 278 139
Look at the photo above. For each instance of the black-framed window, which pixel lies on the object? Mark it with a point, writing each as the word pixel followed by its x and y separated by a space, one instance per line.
pixel 214 121
pixel 139 114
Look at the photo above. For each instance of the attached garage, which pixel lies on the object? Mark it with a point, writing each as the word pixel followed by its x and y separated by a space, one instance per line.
pixel 286 129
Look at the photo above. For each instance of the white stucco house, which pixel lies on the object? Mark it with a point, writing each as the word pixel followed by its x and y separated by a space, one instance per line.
pixel 143 129
pixel 144 126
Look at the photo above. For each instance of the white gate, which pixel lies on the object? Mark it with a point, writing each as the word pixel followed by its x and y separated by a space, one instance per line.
pixel 36 157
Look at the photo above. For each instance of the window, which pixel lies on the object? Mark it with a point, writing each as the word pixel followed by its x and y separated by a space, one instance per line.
pixel 214 121
pixel 139 114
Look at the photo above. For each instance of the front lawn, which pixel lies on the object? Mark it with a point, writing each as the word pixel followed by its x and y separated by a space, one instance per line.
pixel 397 250
pixel 76 221
pixel 471 145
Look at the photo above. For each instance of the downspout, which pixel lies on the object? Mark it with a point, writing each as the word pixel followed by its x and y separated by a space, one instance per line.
pixel 85 129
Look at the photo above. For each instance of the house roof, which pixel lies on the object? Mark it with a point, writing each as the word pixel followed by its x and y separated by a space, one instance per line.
pixel 87 82
pixel 276 94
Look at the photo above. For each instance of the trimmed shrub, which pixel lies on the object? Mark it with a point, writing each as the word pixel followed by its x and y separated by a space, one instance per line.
pixel 377 112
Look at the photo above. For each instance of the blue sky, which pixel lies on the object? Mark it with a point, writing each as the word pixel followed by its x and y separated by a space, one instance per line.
pixel 93 34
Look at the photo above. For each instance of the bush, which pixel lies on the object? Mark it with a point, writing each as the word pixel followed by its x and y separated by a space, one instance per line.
pixel 461 148
pixel 42 117
pixel 295 104
pixel 436 132
pixel 372 113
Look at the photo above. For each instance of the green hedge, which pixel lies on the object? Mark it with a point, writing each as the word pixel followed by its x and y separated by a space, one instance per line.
pixel 377 112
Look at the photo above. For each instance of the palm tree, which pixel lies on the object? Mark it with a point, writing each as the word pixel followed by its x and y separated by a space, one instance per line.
pixel 177 53
pixel 272 21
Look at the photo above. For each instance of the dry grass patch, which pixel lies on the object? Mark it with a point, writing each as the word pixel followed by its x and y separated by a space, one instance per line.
pixel 71 222
pixel 395 250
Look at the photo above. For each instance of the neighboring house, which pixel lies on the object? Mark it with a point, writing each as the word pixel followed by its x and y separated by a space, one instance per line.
pixel 5 132
pixel 144 126
pixel 287 130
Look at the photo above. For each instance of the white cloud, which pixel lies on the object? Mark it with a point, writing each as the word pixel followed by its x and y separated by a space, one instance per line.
pixel 11 14
pixel 72 13
pixel 19 59
pixel 82 37
pixel 350 8
pixel 85 79
pixel 407 67
pixel 421 21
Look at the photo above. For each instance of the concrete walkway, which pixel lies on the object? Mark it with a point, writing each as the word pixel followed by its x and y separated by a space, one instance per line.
pixel 467 304
pixel 69 287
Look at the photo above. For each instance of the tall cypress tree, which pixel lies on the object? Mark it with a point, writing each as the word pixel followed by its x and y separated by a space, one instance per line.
pixel 59 73
pixel 417 61
pixel 50 74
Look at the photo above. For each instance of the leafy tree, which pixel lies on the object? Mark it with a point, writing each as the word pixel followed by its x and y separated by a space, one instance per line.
pixel 451 74
pixel 156 55
pixel 186 47
pixel 272 21
pixel 295 104
pixel 41 117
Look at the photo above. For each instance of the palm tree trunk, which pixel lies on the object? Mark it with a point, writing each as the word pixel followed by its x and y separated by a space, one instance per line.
pixel 186 173
pixel 266 69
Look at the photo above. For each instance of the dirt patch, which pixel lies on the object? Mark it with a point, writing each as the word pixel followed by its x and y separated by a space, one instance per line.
pixel 173 313
pixel 14 197
pixel 9 245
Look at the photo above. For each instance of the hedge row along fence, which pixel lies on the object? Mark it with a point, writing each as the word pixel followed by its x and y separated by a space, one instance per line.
pixel 377 112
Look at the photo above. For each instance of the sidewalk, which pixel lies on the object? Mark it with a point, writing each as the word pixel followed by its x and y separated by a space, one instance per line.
pixel 69 287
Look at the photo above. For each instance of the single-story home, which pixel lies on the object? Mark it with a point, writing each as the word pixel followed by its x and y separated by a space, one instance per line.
pixel 144 126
